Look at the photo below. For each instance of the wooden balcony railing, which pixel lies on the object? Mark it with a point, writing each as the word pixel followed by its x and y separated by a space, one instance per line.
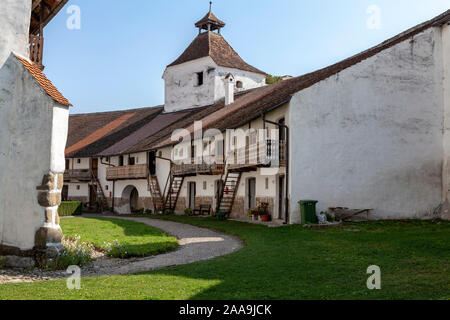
pixel 264 154
pixel 197 169
pixel 37 50
pixel 139 171
pixel 77 175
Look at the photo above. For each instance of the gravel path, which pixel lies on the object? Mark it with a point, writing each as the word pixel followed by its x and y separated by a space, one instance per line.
pixel 195 244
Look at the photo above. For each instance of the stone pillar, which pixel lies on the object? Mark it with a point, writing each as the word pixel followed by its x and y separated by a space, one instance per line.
pixel 48 237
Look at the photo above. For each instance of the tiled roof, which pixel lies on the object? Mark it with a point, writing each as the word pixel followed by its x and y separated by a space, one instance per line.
pixel 46 84
pixel 90 134
pixel 155 132
pixel 210 18
pixel 261 100
pixel 215 46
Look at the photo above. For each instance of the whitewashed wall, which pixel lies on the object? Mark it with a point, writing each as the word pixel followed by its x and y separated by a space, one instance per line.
pixel 29 121
pixel 15 26
pixel 182 92
pixel 445 36
pixel 371 136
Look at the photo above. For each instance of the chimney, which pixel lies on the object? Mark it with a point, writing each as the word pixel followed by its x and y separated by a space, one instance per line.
pixel 229 89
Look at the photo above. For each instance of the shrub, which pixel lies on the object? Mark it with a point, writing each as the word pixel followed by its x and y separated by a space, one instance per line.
pixel 140 211
pixel 2 262
pixel 115 250
pixel 74 253
pixel 148 211
pixel 169 213
pixel 222 215
pixel 188 211
pixel 70 208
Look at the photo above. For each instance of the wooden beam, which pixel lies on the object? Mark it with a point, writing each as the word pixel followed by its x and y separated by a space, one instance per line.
pixel 52 13
pixel 35 4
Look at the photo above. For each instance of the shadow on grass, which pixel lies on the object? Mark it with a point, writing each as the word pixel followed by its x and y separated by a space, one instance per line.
pixel 296 263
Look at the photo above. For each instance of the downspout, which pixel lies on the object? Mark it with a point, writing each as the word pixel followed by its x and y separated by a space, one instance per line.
pixel 287 213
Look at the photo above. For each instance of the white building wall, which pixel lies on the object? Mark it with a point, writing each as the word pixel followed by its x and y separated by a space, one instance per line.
pixel 182 91
pixel 83 192
pixel 15 26
pixel 446 73
pixel 371 136
pixel 30 149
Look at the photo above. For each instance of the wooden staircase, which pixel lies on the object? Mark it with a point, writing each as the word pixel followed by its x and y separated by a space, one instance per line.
pixel 155 191
pixel 230 189
pixel 173 193
pixel 101 198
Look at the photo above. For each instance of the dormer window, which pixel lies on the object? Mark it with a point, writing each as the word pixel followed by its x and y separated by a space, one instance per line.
pixel 239 84
pixel 200 79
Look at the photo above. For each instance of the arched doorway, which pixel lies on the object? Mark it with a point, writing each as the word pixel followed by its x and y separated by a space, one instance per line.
pixel 129 201
pixel 134 198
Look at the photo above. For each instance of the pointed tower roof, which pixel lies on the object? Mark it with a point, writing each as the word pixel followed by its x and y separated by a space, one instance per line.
pixel 215 46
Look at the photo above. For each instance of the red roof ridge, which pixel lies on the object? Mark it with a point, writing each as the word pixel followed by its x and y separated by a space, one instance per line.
pixel 42 80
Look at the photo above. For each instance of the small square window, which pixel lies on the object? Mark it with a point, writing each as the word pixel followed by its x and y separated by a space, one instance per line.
pixel 205 185
pixel 78 160
pixel 78 187
pixel 267 183
pixel 200 79
pixel 106 187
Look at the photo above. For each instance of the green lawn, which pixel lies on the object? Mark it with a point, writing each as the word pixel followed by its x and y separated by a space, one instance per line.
pixel 139 239
pixel 287 263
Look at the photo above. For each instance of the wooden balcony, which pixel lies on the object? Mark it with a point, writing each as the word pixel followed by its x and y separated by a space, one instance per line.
pixel 135 172
pixel 83 175
pixel 37 50
pixel 186 170
pixel 269 153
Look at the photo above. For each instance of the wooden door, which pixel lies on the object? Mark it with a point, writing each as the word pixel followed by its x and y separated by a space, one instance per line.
pixel 94 167
pixel 152 162
pixel 92 195
pixel 281 202
pixel 192 194
pixel 251 193
pixel 134 199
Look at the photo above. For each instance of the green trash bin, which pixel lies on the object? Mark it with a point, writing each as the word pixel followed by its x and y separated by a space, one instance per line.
pixel 308 211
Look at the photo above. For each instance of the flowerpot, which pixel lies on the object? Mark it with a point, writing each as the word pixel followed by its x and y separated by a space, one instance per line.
pixel 266 218
pixel 255 218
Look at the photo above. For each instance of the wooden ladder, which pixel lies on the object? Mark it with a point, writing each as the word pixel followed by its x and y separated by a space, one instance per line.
pixel 155 191
pixel 230 189
pixel 100 194
pixel 173 193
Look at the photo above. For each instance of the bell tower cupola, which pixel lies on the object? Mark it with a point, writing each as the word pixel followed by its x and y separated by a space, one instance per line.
pixel 210 22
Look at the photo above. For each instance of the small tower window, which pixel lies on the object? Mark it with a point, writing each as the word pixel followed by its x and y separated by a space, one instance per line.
pixel 200 79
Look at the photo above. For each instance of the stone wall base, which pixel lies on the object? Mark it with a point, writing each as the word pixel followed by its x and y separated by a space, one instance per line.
pixel 17 258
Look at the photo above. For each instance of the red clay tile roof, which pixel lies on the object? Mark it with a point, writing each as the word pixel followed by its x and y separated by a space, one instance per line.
pixel 215 46
pixel 44 82
pixel 160 122
pixel 210 18
pixel 90 134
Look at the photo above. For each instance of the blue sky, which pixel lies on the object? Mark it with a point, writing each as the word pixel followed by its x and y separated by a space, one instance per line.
pixel 116 60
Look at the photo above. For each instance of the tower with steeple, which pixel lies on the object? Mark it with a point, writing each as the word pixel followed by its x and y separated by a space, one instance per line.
pixel 199 76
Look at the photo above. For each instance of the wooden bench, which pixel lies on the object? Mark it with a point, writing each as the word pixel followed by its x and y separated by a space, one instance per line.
pixel 204 208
